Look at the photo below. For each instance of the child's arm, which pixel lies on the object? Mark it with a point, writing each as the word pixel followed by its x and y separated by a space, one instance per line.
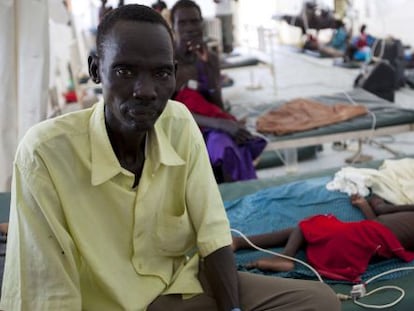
pixel 382 207
pixel 364 206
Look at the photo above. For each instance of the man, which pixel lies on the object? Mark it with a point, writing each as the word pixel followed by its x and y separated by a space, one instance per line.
pixel 232 148
pixel 199 68
pixel 342 250
pixel 113 206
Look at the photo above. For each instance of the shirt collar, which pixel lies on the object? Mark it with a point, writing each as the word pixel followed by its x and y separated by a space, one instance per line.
pixel 105 164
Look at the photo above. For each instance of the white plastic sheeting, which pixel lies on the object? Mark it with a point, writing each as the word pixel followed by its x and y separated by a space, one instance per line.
pixel 24 74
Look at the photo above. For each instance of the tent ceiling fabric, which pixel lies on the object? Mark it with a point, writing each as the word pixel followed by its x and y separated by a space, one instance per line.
pixel 24 70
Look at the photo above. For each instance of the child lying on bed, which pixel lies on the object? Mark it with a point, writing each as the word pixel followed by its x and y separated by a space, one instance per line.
pixel 342 250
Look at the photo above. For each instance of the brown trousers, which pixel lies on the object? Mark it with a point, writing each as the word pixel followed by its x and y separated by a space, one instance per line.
pixel 259 293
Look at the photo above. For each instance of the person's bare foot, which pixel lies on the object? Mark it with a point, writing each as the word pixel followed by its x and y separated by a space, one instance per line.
pixel 274 263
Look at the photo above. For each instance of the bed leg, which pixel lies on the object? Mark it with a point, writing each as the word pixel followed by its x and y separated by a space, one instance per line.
pixel 358 157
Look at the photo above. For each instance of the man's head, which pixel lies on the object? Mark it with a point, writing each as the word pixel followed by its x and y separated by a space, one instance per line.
pixel 363 28
pixel 135 63
pixel 159 6
pixel 187 23
pixel 135 13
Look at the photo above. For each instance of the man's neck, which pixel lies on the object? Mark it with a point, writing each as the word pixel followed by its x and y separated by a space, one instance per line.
pixel 129 149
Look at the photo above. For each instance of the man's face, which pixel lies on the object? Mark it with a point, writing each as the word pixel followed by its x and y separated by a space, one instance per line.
pixel 137 71
pixel 188 27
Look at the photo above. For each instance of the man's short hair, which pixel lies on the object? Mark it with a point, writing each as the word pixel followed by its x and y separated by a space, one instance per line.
pixel 184 4
pixel 129 12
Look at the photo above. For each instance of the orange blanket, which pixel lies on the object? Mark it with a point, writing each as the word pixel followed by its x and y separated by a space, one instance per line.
pixel 304 114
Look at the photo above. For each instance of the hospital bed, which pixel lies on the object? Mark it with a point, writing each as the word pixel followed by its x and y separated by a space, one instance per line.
pixel 236 61
pixel 232 193
pixel 264 205
pixel 385 118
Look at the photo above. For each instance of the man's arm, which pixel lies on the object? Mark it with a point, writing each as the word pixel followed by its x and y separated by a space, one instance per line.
pixel 209 219
pixel 222 276
pixel 209 64
pixel 41 268
pixel 235 129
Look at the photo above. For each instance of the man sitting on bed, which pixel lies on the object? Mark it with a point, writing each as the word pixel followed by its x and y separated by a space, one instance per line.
pixel 116 208
pixel 342 250
pixel 231 147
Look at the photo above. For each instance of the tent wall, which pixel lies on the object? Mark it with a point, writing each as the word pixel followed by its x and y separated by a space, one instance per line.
pixel 24 62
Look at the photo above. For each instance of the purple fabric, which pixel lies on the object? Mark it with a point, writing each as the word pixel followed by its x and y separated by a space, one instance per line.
pixel 234 160
pixel 203 85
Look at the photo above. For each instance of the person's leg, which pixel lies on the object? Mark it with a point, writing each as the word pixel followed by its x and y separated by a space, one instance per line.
pixel 265 240
pixel 201 302
pixel 259 292
pixel 295 241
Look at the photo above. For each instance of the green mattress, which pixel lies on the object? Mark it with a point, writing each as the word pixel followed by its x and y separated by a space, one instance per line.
pixel 386 114
pixel 236 61
pixel 4 206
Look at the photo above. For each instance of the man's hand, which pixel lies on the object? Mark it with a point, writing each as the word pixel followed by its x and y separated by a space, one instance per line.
pixel 237 130
pixel 199 48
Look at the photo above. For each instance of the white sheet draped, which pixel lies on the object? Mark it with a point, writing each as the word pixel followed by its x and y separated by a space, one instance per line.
pixel 393 181
pixel 24 74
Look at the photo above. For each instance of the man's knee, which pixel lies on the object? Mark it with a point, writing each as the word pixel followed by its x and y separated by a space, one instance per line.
pixel 322 298
pixel 259 292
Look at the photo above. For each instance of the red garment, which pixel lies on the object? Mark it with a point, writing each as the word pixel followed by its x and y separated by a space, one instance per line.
pixel 342 250
pixel 362 41
pixel 196 103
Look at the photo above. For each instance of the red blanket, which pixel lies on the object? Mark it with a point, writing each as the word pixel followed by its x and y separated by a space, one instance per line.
pixel 196 103
pixel 342 250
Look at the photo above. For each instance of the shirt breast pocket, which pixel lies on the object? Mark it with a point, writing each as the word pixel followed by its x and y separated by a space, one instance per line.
pixel 174 235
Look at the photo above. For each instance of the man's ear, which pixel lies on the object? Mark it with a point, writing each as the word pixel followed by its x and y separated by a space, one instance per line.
pixel 93 65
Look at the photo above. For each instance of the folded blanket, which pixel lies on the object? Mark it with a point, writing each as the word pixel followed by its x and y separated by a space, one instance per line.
pixel 351 180
pixel 304 114
pixel 393 181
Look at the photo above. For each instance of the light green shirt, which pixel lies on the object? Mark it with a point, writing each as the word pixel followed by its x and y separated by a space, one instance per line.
pixel 81 238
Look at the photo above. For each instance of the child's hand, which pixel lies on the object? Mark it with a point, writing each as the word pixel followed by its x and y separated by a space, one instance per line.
pixel 357 200
pixel 363 206
pixel 360 202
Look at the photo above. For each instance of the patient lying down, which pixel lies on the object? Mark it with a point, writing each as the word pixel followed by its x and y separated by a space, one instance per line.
pixel 342 250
